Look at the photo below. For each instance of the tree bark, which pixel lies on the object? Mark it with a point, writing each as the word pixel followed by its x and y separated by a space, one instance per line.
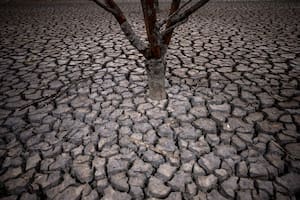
pixel 156 5
pixel 156 70
pixel 158 40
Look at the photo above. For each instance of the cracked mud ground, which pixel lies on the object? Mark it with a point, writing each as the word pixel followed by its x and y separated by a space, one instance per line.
pixel 76 123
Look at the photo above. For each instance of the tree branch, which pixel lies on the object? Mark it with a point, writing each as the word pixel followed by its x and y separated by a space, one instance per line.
pixel 115 10
pixel 194 8
pixel 186 13
pixel 105 7
pixel 173 14
pixel 177 17
pixel 119 14
pixel 171 28
pixel 167 37
pixel 149 12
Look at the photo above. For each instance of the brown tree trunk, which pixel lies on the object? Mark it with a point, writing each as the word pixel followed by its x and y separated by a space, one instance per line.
pixel 156 70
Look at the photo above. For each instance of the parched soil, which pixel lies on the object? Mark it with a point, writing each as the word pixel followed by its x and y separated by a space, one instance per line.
pixel 76 122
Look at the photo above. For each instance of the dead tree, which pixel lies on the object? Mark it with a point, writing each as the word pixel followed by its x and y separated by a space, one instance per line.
pixel 159 35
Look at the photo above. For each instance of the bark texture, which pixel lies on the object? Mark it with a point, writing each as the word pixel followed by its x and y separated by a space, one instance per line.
pixel 151 28
pixel 133 38
pixel 156 70
pixel 158 38
pixel 156 4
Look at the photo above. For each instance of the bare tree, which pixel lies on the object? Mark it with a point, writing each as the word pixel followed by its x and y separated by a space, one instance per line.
pixel 159 35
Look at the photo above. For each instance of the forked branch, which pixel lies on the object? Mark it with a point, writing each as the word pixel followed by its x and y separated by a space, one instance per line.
pixel 158 41
pixel 114 9
pixel 185 13
pixel 167 36
pixel 179 16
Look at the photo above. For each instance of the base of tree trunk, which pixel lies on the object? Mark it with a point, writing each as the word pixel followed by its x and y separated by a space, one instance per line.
pixel 156 69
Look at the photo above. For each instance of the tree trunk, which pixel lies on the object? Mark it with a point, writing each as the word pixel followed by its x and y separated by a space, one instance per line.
pixel 156 69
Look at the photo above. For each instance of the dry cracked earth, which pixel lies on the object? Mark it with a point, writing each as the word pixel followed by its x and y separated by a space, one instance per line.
pixel 76 122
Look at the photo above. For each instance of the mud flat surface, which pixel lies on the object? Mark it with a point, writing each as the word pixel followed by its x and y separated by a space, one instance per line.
pixel 76 122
